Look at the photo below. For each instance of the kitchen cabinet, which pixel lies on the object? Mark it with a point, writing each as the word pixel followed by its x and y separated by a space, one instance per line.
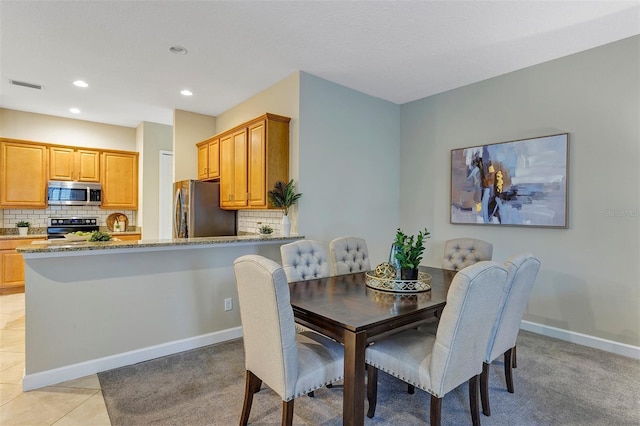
pixel 233 169
pixel 128 237
pixel 209 159
pixel 12 265
pixel 119 178
pixel 23 174
pixel 71 164
pixel 253 157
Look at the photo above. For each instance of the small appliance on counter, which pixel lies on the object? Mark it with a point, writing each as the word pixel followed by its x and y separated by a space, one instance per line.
pixel 197 212
pixel 58 227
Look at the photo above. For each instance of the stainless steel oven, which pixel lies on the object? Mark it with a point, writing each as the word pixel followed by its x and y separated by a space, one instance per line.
pixel 59 226
pixel 74 193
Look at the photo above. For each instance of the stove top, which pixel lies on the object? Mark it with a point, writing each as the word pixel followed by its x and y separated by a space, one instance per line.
pixel 60 226
pixel 73 221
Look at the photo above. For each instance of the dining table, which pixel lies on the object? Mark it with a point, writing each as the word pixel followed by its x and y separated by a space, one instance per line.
pixel 344 308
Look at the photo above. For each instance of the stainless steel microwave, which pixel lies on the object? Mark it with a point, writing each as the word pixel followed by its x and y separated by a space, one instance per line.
pixel 74 193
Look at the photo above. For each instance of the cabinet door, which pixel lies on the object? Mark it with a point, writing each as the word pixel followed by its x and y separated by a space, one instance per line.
pixel 12 265
pixel 87 165
pixel 203 161
pixel 61 163
pixel 226 170
pixel 257 165
pixel 23 175
pixel 119 171
pixel 240 169
pixel 213 159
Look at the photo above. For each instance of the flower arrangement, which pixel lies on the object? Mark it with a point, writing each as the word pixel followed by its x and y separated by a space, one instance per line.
pixel 23 224
pixel 409 250
pixel 283 196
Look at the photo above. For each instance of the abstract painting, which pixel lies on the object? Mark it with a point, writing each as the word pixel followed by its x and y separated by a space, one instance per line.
pixel 517 183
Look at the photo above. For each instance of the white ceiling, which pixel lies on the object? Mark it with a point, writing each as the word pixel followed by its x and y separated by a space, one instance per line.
pixel 395 50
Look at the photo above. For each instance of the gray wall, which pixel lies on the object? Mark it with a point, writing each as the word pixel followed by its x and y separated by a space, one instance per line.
pixel 590 277
pixel 349 159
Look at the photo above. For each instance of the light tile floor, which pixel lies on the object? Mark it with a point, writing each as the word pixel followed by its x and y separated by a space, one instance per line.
pixel 76 402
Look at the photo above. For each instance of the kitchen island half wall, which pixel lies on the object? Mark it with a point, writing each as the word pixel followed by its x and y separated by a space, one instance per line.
pixel 90 309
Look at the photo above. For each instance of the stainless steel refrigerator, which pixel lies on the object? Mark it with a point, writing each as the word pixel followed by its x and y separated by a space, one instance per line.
pixel 197 212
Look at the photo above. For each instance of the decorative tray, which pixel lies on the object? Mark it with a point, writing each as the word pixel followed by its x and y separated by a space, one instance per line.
pixel 119 218
pixel 423 283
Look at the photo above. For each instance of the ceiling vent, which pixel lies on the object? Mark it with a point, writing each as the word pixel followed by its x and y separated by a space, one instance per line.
pixel 25 84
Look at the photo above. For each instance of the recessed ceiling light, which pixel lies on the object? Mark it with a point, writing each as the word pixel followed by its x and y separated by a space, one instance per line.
pixel 74 110
pixel 178 50
pixel 186 92
pixel 80 83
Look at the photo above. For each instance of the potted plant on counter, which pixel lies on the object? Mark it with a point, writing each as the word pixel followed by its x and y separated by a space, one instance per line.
pixel 283 196
pixel 23 227
pixel 408 253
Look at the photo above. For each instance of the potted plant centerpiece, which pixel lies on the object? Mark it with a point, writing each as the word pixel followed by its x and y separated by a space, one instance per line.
pixel 23 227
pixel 283 196
pixel 408 253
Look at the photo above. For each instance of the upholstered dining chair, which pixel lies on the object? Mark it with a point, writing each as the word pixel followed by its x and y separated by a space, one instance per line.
pixel 290 363
pixel 348 255
pixel 462 252
pixel 523 270
pixel 304 260
pixel 438 364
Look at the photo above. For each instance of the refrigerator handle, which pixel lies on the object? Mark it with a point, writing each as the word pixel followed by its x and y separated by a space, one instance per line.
pixel 177 216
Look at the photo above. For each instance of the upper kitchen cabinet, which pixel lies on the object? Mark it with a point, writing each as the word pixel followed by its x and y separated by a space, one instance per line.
pixel 209 159
pixel 81 165
pixel 253 157
pixel 23 175
pixel 233 169
pixel 119 177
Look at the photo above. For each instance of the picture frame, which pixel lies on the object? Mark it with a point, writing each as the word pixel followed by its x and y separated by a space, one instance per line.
pixel 516 183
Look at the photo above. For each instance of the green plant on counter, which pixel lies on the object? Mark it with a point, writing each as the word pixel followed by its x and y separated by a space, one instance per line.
pixel 410 248
pixel 265 230
pixel 100 236
pixel 23 224
pixel 283 196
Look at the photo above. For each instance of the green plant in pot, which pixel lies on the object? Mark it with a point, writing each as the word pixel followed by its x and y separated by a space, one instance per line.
pixel 23 227
pixel 408 252
pixel 283 196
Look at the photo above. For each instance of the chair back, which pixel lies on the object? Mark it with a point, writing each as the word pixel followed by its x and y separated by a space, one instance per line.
pixel 474 299
pixel 462 252
pixel 523 270
pixel 304 260
pixel 267 323
pixel 348 255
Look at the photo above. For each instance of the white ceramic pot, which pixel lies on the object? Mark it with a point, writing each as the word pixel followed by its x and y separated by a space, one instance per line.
pixel 285 229
pixel 23 230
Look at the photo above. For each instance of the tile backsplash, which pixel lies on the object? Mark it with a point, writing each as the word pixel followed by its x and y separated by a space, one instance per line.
pixel 250 220
pixel 38 217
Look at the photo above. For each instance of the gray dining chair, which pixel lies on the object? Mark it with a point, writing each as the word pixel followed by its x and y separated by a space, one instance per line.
pixel 523 270
pixel 291 364
pixel 438 364
pixel 462 252
pixel 348 255
pixel 304 260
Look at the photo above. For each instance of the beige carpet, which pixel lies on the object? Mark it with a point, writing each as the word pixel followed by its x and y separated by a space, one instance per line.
pixel 556 383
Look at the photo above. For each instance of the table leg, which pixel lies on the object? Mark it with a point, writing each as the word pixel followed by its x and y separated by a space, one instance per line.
pixel 354 386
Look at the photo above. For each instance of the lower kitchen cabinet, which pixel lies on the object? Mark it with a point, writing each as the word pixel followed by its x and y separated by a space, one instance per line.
pixel 128 237
pixel 12 265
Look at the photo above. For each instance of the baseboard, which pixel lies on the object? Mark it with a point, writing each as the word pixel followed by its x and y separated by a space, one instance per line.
pixel 85 368
pixel 583 339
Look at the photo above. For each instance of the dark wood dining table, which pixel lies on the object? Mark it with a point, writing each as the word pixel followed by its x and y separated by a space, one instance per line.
pixel 344 308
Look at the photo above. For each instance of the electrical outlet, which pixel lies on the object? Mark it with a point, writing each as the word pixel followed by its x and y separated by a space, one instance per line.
pixel 228 304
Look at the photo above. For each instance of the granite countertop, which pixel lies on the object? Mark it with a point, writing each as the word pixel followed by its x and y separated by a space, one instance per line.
pixel 57 246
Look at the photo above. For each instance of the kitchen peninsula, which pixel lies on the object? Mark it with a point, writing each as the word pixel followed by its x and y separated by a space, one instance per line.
pixel 92 307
